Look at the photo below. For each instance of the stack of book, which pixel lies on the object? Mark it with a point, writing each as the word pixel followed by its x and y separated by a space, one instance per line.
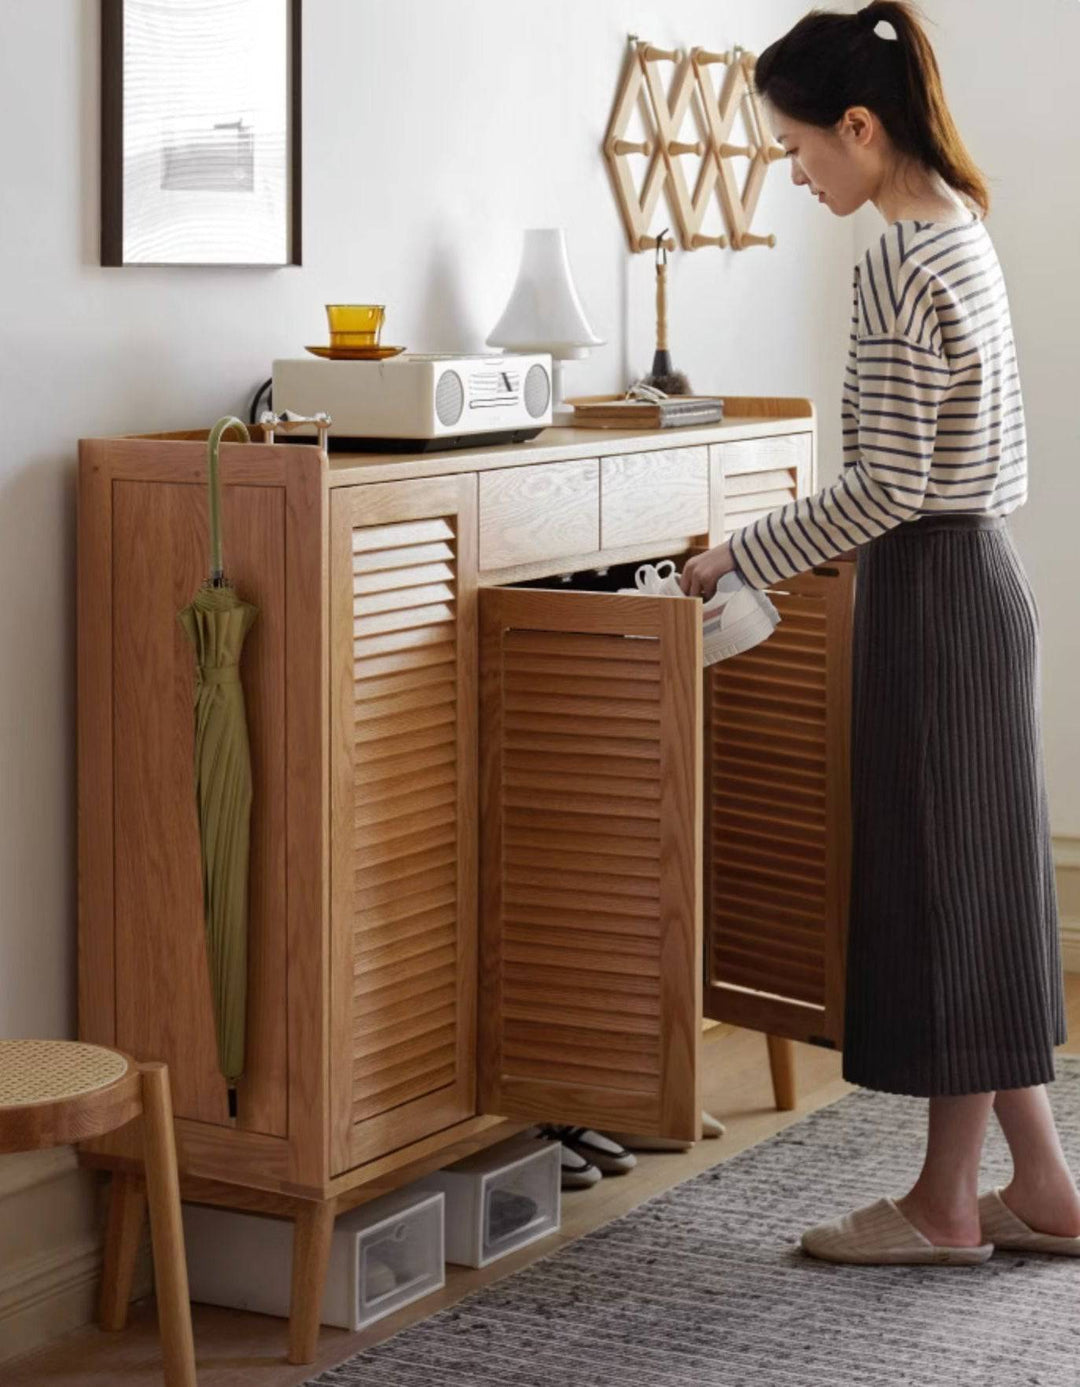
pixel 615 412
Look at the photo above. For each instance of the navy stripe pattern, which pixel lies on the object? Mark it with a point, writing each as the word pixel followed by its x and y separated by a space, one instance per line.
pixel 932 413
pixel 954 977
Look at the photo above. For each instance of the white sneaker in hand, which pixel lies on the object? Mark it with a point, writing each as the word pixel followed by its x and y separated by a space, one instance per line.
pixel 659 580
pixel 736 618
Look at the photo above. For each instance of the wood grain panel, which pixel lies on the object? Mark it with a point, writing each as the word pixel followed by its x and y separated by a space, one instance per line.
pixel 590 867
pixel 160 547
pixel 646 496
pixel 777 817
pixel 545 512
pixel 307 548
pixel 96 946
pixel 403 850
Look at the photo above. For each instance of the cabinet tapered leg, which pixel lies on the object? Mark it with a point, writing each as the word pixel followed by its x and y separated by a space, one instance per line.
pixel 782 1068
pixel 311 1253
pixel 127 1210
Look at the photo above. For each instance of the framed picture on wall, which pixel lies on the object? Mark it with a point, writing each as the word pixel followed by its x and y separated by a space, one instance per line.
pixel 200 132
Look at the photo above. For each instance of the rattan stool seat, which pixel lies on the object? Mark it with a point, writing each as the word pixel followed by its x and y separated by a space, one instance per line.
pixel 40 1071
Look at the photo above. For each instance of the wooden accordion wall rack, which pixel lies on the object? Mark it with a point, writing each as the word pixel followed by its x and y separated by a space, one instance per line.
pixel 665 147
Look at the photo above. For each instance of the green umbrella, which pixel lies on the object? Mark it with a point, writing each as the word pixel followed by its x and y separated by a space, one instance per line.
pixel 216 623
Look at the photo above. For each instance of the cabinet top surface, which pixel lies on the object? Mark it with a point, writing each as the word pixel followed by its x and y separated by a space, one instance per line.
pixel 566 443
pixel 748 417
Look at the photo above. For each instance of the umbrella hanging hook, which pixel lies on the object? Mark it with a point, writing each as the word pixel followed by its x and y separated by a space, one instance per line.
pixel 229 421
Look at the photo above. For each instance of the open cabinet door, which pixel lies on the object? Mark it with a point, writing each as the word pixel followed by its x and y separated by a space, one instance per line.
pixel 777 817
pixel 590 853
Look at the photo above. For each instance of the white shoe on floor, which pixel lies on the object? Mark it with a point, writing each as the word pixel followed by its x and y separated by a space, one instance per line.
pixel 577 1172
pixel 608 1156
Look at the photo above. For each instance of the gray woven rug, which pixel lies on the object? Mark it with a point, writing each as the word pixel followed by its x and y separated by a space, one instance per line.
pixel 705 1284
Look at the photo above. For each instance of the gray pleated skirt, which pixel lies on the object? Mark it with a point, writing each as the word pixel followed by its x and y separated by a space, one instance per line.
pixel 954 976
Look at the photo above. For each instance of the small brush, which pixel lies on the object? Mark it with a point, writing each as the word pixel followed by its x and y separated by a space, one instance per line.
pixel 663 376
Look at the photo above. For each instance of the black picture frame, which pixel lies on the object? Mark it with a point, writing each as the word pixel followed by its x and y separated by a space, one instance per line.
pixel 115 250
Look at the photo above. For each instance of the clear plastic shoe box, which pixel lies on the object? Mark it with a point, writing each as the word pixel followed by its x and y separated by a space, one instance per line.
pixel 383 1255
pixel 499 1199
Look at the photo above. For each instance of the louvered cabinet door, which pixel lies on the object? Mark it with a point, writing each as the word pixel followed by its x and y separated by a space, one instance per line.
pixel 777 817
pixel 403 816
pixel 590 856
pixel 752 476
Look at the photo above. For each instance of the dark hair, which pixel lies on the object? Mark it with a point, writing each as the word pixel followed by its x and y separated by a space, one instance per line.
pixel 830 61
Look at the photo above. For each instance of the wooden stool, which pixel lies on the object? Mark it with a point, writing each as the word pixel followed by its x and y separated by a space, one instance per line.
pixel 54 1092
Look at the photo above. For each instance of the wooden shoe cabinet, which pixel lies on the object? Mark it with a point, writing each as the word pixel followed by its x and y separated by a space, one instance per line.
pixel 511 841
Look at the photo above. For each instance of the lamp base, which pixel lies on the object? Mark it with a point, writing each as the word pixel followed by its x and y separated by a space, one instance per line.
pixel 561 412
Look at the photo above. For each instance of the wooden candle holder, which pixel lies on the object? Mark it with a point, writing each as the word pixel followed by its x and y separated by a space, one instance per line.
pixel 665 145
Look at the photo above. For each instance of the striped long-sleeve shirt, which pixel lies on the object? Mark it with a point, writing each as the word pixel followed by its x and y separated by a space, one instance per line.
pixel 932 412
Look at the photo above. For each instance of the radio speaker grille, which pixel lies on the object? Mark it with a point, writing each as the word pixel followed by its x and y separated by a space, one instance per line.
pixel 537 391
pixel 449 398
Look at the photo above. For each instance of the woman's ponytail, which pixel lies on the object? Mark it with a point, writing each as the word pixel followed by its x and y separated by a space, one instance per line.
pixel 828 62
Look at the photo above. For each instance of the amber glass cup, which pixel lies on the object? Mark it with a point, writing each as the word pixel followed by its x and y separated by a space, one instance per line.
pixel 355 324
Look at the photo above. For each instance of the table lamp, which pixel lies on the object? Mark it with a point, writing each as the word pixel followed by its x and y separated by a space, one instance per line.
pixel 544 313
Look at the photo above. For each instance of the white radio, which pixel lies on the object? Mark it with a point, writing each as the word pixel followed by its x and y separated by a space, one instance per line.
pixel 416 403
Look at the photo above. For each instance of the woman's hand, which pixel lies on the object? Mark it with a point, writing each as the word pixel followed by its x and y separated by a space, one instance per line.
pixel 700 574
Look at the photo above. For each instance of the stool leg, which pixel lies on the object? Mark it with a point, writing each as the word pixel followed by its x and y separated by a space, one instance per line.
pixel 127 1209
pixel 782 1065
pixel 167 1229
pixel 312 1231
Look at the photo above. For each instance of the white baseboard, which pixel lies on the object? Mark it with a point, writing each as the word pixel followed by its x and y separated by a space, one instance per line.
pixel 51 1226
pixel 47 1295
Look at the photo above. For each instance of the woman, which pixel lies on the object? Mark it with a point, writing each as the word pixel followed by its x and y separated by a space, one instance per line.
pixel 954 978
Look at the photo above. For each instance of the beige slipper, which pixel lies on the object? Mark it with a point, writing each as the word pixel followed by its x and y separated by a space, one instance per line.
pixel 1008 1230
pixel 882 1233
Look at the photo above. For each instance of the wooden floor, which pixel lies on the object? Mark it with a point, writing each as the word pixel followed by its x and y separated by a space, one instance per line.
pixel 234 1347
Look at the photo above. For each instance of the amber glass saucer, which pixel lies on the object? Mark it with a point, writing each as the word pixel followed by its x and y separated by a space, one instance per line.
pixel 355 353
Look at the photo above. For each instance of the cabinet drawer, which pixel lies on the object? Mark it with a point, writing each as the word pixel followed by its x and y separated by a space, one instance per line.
pixel 662 494
pixel 543 512
pixel 754 476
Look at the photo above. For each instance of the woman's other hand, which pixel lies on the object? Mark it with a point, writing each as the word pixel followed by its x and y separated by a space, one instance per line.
pixel 701 573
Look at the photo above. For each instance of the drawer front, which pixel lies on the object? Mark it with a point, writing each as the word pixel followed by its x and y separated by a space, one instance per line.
pixel 656 495
pixel 528 514
pixel 754 476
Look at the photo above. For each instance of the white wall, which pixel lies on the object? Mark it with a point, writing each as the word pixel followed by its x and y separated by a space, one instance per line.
pixel 1010 81
pixel 434 131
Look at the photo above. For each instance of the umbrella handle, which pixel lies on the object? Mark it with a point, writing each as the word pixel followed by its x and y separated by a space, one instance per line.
pixel 227 422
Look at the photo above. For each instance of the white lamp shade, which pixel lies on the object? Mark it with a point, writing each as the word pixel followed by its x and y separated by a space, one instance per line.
pixel 544 313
